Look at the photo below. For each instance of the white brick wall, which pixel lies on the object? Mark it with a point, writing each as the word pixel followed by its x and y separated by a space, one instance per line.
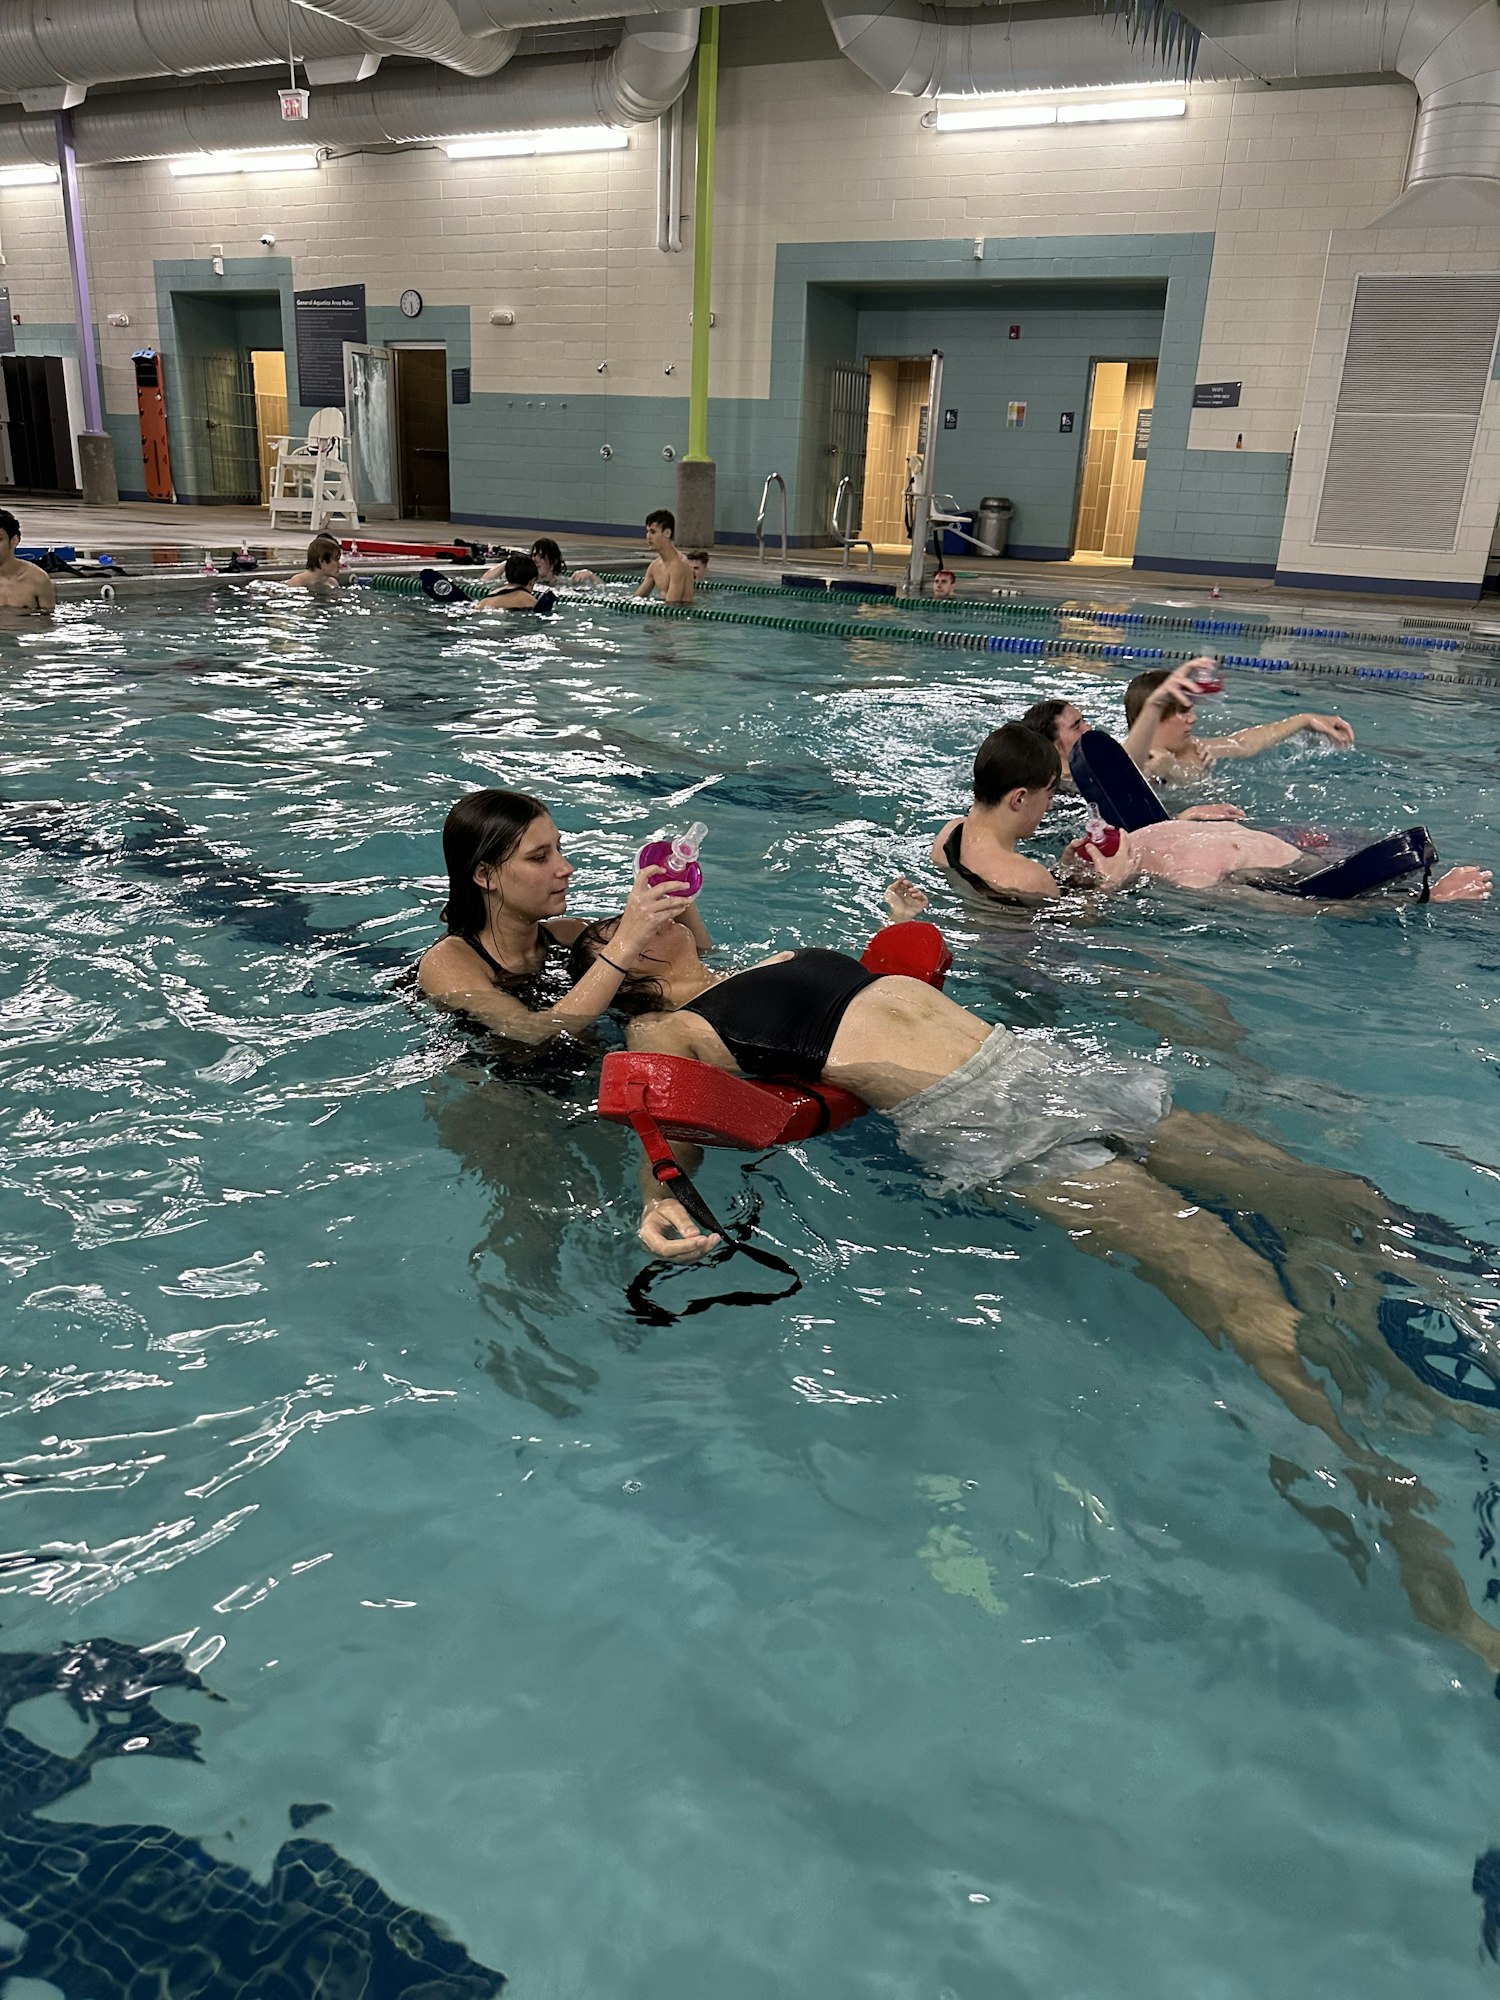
pixel 807 152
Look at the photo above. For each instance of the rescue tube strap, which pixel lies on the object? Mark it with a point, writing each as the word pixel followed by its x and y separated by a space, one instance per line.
pixel 670 1174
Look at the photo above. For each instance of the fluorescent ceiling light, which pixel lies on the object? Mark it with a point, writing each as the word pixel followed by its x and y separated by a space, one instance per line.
pixel 523 145
pixel 996 118
pixel 1118 110
pixel 25 177
pixel 1099 111
pixel 301 161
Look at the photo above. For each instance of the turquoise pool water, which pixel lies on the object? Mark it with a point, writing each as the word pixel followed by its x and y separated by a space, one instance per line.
pixel 941 1631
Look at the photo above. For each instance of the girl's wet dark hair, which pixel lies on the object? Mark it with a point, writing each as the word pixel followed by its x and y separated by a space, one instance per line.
pixel 1042 717
pixel 545 547
pixel 638 994
pixel 520 572
pixel 483 830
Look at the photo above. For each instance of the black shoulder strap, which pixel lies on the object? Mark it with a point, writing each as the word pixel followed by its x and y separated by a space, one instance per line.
pixel 488 956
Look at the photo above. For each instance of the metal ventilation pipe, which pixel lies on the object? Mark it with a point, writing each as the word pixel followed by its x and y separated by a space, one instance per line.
pixel 421 28
pixel 45 48
pixel 1450 49
pixel 913 50
pixel 635 82
pixel 50 53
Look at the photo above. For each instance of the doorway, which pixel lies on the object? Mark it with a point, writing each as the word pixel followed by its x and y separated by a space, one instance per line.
pixel 268 385
pixel 228 345
pixel 422 431
pixel 896 437
pixel 1121 398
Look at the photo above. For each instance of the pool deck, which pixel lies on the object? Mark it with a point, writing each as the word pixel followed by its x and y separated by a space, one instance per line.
pixel 136 527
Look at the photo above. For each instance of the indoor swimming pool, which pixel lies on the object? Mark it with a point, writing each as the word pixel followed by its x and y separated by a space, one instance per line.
pixel 964 1626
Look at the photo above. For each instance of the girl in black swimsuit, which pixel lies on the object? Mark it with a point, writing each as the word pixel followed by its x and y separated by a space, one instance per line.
pixel 504 960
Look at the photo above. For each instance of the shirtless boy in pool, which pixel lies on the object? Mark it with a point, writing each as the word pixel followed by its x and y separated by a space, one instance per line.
pixel 23 587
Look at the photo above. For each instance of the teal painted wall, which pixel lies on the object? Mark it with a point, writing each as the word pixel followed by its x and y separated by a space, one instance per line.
pixel 523 459
pixel 984 370
pixel 1228 513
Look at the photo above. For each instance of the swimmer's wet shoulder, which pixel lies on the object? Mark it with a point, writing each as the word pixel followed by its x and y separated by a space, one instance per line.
pixel 991 869
pixel 23 586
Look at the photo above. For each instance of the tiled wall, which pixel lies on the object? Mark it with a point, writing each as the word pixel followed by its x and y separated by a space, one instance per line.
pixel 1047 369
pixel 819 172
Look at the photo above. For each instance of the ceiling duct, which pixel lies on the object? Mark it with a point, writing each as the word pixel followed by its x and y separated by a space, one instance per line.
pixel 427 28
pixel 52 51
pixel 45 47
pixel 1449 49
pixel 633 83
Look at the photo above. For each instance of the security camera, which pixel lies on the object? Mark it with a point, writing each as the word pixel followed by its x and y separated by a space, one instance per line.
pixel 268 240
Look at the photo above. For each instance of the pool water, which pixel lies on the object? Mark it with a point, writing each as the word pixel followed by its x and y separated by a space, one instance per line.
pixel 940 1631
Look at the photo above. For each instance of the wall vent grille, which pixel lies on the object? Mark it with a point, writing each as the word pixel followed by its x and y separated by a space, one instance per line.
pixel 1416 368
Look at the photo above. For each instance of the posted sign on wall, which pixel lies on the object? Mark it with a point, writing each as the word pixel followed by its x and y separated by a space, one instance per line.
pixel 325 320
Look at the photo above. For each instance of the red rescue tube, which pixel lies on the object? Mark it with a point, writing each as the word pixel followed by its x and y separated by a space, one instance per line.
pixel 360 545
pixel 687 1099
pixel 911 950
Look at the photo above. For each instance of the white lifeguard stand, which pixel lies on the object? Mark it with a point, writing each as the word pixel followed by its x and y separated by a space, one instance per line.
pixel 310 479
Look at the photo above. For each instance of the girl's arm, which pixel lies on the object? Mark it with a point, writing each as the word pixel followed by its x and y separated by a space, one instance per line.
pixel 666 1228
pixel 454 976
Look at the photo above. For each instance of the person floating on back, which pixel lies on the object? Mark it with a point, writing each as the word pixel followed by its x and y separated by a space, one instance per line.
pixel 1171 751
pixel 668 574
pixel 23 587
pixel 322 573
pixel 1016 775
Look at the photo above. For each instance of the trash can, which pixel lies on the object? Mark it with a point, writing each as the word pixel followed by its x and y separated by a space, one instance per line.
pixel 956 544
pixel 994 526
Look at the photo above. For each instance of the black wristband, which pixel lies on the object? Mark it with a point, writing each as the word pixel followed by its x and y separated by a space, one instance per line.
pixel 622 970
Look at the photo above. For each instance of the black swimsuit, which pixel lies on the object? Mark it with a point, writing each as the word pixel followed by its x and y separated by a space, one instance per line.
pixel 536 991
pixel 953 848
pixel 780 1020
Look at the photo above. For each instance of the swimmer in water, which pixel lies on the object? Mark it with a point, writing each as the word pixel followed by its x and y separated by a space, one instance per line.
pixel 504 960
pixel 1063 722
pixel 23 587
pixel 324 556
pixel 697 562
pixel 668 573
pixel 989 1109
pixel 551 568
pixel 517 592
pixel 1161 739
pixel 944 583
pixel 1016 775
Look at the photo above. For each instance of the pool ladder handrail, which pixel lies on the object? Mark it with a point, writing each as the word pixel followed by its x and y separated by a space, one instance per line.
pixel 772 479
pixel 844 529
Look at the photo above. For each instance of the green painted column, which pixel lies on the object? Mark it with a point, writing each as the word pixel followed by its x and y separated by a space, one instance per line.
pixel 695 474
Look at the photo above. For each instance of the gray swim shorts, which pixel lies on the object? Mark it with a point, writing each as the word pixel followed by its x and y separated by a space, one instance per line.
pixel 1029 1106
